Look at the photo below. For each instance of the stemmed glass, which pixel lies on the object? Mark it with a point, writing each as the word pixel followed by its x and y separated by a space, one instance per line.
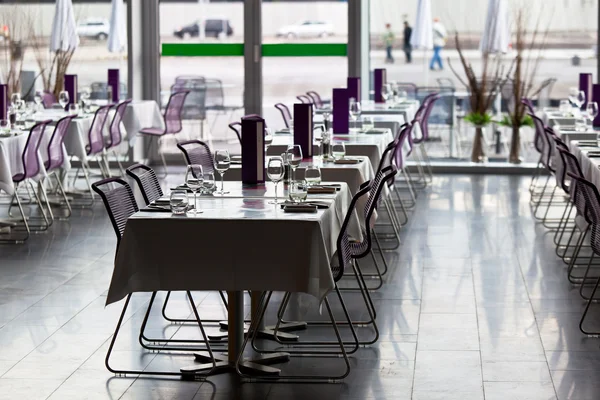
pixel 38 97
pixel 354 111
pixel 63 98
pixel 14 99
pixel 4 126
pixel 386 91
pixel 85 95
pixel 275 172
pixel 268 138
pixel 592 111
pixel 580 99
pixel 294 158
pixel 194 178
pixel 222 163
pixel 573 93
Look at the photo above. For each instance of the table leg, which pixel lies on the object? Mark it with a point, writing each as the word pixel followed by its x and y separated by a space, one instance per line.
pixel 236 324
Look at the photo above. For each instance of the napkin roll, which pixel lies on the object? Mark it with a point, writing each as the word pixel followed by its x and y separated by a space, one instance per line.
pixel 585 85
pixel 113 83
pixel 253 149
pixel 71 88
pixel 354 88
pixel 303 131
pixel 3 101
pixel 379 79
pixel 596 98
pixel 341 110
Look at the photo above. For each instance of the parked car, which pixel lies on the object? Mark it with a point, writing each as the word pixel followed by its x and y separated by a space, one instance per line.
pixel 94 28
pixel 213 27
pixel 308 28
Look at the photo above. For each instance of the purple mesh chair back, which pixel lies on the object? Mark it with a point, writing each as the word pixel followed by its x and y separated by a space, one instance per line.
pixel 549 149
pixel 538 138
pixel 344 246
pixel 423 117
pixel 147 181
pixel 237 128
pixel 559 164
pixel 285 114
pixel 571 167
pixel 304 99
pixel 316 98
pixel 404 136
pixel 409 88
pixel 197 152
pixel 56 156
pixel 116 136
pixel 31 161
pixel 48 100
pixel 119 202
pixel 96 133
pixel 173 112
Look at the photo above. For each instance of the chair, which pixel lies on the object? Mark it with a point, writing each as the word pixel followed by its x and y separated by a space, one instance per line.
pixel 285 114
pixel 344 261
pixel 545 93
pixel 116 136
pixel 194 106
pixel 56 155
pixel 304 99
pixel 237 128
pixel 99 91
pixel 315 99
pixel 215 100
pixel 173 125
pixel 48 99
pixel 197 152
pixel 147 181
pixel 446 83
pixel 31 168
pixel 120 204
pixel 409 88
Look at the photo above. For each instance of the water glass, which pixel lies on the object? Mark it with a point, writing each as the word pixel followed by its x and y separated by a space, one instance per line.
pixel 85 93
pixel 368 123
pixel 338 149
pixel 312 175
pixel 14 99
pixel 386 91
pixel 275 172
pixel 208 183
pixel 354 111
pixel 63 98
pixel 12 115
pixel 402 96
pixel 194 178
pixel 222 163
pixel 268 138
pixel 4 126
pixel 564 107
pixel 573 93
pixel 580 125
pixel 74 109
pixel 294 158
pixel 297 192
pixel 179 201
pixel 580 100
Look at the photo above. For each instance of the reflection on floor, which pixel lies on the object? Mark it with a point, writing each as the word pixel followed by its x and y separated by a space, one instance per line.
pixel 476 306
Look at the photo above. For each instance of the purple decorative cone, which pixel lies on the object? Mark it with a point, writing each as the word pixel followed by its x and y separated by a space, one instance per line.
pixel 379 79
pixel 303 128
pixel 341 110
pixel 585 84
pixel 253 149
pixel 354 88
pixel 113 82
pixel 596 98
pixel 3 101
pixel 71 88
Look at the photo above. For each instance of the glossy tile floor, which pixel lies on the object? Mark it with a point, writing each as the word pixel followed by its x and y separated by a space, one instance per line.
pixel 476 306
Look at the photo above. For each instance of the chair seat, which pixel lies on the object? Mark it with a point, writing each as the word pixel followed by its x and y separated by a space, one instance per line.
pixel 152 131
pixel 18 178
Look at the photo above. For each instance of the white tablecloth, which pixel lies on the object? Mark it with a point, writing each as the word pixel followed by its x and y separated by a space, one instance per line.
pixel 235 244
pixel 590 166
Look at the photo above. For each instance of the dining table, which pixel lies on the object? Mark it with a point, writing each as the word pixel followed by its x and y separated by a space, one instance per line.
pixel 235 242
pixel 407 109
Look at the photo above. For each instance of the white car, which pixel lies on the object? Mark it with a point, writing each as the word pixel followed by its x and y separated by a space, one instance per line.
pixel 94 28
pixel 307 28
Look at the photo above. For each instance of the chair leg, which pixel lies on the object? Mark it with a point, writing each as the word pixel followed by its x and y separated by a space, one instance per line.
pixel 587 308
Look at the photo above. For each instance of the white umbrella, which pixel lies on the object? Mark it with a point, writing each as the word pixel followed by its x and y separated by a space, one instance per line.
pixel 64 31
pixel 117 36
pixel 496 32
pixel 422 34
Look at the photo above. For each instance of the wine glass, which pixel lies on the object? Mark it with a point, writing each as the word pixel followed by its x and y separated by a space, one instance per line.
pixel 573 93
pixel 312 175
pixel 208 183
pixel 73 109
pixel 275 172
pixel 12 116
pixel 222 163
pixel 386 91
pixel 194 178
pixel 402 96
pixel 580 99
pixel 294 158
pixel 85 93
pixel 338 149
pixel 354 111
pixel 297 192
pixel 592 111
pixel 15 98
pixel 63 98
pixel 38 97
pixel 4 126
pixel 564 107
pixel 268 138
pixel 179 201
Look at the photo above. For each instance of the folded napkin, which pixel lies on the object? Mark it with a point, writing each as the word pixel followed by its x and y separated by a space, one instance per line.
pixel 347 161
pixel 375 131
pixel 284 131
pixel 162 202
pixel 321 190
pixel 299 208
pixel 318 204
pixel 162 208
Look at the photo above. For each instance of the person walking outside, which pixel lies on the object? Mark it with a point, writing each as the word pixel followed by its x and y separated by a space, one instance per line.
pixel 388 41
pixel 407 46
pixel 439 41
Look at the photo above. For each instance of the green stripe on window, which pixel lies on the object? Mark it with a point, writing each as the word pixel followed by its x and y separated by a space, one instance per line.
pixel 268 50
pixel 305 50
pixel 203 49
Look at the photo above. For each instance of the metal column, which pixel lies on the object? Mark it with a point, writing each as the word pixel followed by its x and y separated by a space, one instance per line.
pixel 253 95
pixel 359 43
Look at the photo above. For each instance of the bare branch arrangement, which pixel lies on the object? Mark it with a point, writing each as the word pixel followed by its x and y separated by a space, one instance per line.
pixel 16 19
